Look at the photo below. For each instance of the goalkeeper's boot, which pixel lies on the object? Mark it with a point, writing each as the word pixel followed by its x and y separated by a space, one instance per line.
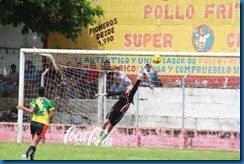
pixel 99 141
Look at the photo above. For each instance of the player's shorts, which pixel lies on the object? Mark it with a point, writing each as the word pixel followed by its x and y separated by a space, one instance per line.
pixel 114 116
pixel 38 128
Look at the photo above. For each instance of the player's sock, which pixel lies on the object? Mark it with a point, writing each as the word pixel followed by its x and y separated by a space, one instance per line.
pixel 33 153
pixel 105 134
pixel 28 152
pixel 99 139
pixel 101 132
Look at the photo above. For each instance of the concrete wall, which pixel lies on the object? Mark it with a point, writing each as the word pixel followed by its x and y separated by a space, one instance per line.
pixel 205 109
pixel 215 109
pixel 130 136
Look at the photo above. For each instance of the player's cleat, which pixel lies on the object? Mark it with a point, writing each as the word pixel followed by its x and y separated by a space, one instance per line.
pixel 24 157
pixel 99 141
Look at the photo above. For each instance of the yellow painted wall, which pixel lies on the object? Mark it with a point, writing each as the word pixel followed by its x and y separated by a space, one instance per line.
pixel 168 25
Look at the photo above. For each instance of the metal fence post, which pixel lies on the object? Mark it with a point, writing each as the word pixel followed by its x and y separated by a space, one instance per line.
pixel 183 101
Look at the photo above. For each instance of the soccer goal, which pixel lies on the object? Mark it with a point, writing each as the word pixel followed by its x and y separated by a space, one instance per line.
pixel 73 77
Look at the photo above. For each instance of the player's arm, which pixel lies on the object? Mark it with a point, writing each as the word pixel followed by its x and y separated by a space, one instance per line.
pixel 29 110
pixel 113 93
pixel 51 114
pixel 135 87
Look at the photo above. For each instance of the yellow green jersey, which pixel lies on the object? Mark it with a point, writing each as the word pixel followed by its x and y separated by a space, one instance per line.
pixel 43 106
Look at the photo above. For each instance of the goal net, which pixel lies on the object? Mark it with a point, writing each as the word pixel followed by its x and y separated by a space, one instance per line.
pixel 73 77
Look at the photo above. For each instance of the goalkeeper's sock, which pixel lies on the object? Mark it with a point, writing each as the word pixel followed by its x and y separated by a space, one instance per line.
pixel 101 132
pixel 105 134
pixel 99 140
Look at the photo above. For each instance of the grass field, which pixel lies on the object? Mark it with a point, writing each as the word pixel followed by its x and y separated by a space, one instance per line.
pixel 13 151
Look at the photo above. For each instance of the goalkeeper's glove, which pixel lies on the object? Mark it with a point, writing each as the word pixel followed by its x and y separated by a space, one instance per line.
pixel 139 76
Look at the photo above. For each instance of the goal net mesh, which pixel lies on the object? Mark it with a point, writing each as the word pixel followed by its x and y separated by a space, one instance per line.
pixel 73 77
pixel 71 80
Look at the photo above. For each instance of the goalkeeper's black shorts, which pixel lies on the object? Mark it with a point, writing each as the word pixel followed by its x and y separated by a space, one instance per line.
pixel 114 116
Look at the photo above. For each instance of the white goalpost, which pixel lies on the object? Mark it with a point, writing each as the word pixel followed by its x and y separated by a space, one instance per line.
pixel 73 77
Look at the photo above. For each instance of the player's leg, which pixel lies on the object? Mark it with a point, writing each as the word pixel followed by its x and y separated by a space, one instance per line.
pixel 34 144
pixel 111 125
pixel 39 131
pixel 102 131
pixel 109 128
pixel 33 129
pixel 106 122
pixel 103 127
pixel 32 149
pixel 114 116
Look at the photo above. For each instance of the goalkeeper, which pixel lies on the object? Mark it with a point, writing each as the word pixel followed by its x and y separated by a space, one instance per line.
pixel 116 113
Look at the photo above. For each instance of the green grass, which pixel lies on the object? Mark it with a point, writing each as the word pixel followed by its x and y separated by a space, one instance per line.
pixel 13 151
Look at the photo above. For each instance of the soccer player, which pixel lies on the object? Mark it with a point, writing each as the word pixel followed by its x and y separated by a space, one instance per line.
pixel 42 110
pixel 119 108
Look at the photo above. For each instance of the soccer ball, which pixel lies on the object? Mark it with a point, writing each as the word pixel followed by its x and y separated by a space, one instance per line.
pixel 157 59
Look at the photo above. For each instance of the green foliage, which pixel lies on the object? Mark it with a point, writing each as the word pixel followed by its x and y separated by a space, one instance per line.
pixel 67 17
pixel 13 151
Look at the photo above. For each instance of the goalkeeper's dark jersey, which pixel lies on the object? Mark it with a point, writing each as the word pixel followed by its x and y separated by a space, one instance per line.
pixel 124 99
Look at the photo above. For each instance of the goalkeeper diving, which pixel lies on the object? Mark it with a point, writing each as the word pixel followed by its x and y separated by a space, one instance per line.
pixel 118 110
